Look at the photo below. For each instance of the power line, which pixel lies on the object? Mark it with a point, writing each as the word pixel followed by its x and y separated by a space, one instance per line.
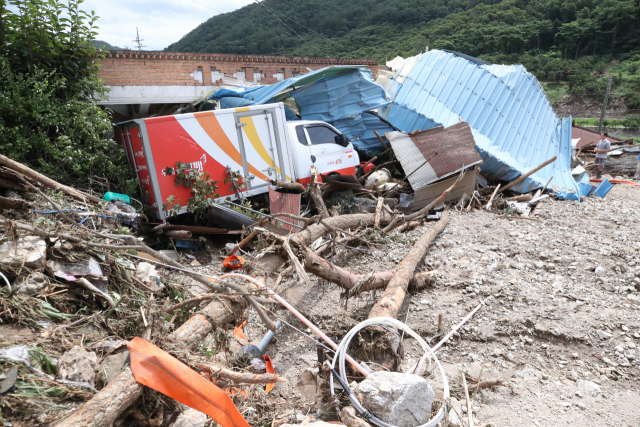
pixel 303 26
pixel 206 5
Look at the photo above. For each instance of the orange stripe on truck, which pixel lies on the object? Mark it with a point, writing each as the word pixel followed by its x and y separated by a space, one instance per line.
pixel 210 124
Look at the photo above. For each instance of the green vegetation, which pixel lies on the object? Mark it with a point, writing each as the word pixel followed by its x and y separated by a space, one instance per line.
pixel 48 87
pixel 578 43
pixel 631 122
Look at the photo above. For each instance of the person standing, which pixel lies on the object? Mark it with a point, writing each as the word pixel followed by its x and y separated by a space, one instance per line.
pixel 602 148
pixel 637 176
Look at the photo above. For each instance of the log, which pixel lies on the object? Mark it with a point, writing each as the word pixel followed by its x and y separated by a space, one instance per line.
pixel 316 195
pixel 359 282
pixel 107 405
pixel 520 198
pixel 394 294
pixel 178 234
pixel 47 182
pixel 380 138
pixel 343 222
pixel 376 219
pixel 17 204
pixel 528 174
pixel 10 185
pixel 293 186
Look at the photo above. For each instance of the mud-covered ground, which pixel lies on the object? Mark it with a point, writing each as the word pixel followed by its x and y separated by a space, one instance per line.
pixel 549 319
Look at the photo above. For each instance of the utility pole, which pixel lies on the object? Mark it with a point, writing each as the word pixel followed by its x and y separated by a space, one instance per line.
pixel 138 40
pixel 604 104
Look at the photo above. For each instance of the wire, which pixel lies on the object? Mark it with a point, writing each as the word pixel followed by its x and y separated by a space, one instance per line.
pixel 209 6
pixel 307 28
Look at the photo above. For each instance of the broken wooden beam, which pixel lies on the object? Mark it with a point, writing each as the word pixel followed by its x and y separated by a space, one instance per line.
pixel 528 174
pixel 293 186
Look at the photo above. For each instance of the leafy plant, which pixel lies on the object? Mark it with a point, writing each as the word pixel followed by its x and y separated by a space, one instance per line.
pixel 49 85
pixel 236 179
pixel 202 187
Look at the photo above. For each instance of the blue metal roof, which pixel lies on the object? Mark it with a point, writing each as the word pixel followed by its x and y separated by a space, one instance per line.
pixel 339 95
pixel 513 124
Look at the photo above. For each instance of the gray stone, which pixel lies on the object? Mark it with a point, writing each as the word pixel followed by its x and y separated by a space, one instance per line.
pixel 32 284
pixel 191 418
pixel 603 334
pixel 588 387
pixel 599 270
pixel 79 365
pixel 634 299
pixel 112 365
pixel 403 400
pixel 28 251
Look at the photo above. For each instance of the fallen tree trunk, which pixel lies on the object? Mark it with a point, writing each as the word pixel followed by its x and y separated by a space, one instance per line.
pixel 343 222
pixel 393 296
pixel 107 405
pixel 47 182
pixel 316 195
pixel 10 185
pixel 357 283
pixel 17 204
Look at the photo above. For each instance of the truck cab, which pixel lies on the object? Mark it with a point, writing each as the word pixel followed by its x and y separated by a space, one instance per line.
pixel 315 143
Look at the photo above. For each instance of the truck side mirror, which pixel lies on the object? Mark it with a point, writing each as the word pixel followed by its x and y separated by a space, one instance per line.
pixel 313 159
pixel 342 139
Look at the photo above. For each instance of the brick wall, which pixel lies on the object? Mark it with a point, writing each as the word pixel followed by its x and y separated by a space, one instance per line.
pixel 130 68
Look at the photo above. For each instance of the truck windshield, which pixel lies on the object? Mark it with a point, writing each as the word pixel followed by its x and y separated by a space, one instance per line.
pixel 321 135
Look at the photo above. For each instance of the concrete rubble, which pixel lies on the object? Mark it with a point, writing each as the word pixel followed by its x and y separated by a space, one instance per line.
pixel 78 365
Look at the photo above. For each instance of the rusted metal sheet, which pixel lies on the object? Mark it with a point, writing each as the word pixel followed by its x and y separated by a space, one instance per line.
pixel 454 145
pixel 285 203
pixel 588 136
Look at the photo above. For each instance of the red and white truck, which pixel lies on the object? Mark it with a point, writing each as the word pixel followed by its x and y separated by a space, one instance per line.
pixel 255 141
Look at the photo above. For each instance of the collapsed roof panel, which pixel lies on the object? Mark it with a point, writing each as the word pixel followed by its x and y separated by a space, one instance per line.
pixel 340 95
pixel 454 146
pixel 512 121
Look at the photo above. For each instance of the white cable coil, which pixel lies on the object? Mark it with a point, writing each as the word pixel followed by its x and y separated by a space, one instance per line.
pixel 341 354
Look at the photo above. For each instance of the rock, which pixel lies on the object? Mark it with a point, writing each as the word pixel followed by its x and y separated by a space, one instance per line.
pixel 112 365
pixel 604 335
pixel 146 272
pixel 454 420
pixel 79 365
pixel 588 387
pixel 33 284
pixel 309 384
pixel 599 270
pixel 349 417
pixel 399 399
pixel 619 349
pixel 634 299
pixel 191 418
pixel 28 251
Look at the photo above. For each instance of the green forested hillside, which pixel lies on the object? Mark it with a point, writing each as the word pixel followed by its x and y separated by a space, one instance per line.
pixel 570 41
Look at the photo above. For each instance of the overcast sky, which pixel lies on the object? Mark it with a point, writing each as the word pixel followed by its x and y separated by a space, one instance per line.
pixel 160 22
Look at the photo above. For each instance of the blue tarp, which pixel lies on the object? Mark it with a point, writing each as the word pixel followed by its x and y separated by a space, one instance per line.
pixel 339 95
pixel 512 121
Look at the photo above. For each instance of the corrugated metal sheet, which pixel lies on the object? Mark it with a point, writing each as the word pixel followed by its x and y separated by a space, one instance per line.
pixel 455 147
pixel 285 203
pixel 338 95
pixel 513 123
pixel 588 136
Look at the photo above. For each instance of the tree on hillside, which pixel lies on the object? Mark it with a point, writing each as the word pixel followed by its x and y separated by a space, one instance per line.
pixel 48 91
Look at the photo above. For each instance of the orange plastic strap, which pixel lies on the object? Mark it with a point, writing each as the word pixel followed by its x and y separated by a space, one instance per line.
pixel 162 372
pixel 239 333
pixel 267 361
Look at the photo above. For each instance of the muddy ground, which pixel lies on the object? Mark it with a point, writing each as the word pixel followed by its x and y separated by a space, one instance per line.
pixel 548 320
